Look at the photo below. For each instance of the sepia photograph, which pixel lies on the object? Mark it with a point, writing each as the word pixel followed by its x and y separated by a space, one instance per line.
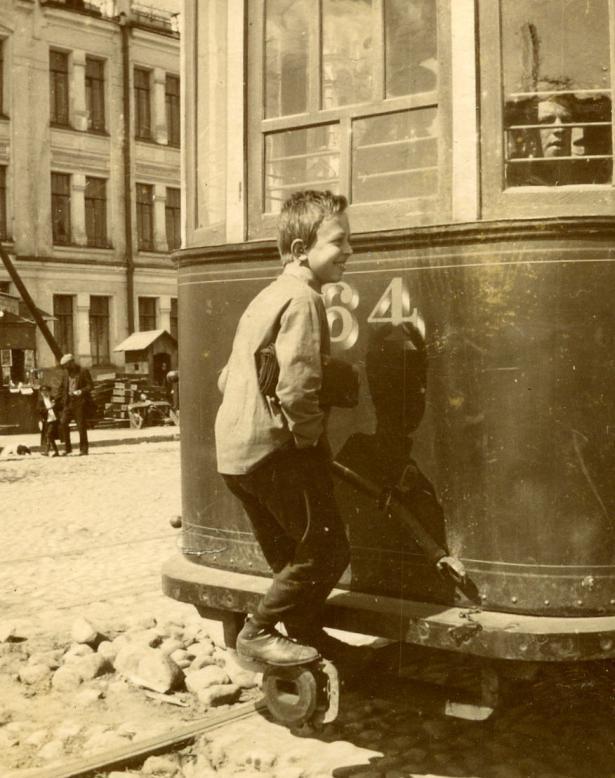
pixel 310 300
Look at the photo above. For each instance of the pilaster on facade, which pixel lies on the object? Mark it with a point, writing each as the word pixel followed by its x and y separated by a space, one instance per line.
pixel 159 119
pixel 78 112
pixel 160 235
pixel 77 209
pixel 163 313
pixel 82 328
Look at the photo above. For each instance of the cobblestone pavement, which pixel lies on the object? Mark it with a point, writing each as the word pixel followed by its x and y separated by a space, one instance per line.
pixel 88 531
pixel 87 536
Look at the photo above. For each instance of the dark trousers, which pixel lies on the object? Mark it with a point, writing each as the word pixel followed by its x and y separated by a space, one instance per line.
pixel 290 502
pixel 74 411
pixel 49 433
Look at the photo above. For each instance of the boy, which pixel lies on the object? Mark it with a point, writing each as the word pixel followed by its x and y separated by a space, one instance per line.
pixel 49 421
pixel 274 456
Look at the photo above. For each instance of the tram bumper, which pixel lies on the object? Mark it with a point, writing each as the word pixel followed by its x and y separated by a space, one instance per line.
pixel 484 633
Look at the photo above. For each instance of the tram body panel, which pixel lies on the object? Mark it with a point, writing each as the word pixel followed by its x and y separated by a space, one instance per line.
pixel 489 369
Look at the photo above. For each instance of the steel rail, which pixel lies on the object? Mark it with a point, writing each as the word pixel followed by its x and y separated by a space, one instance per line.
pixel 118 758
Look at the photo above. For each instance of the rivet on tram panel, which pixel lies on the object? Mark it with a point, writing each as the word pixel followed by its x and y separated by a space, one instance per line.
pixel 579 602
pixel 483 596
pixel 612 602
pixel 513 599
pixel 547 602
pixel 606 644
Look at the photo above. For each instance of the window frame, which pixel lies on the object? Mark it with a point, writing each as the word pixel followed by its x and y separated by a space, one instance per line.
pixel 95 85
pixel 66 210
pixel 172 110
pixel 59 118
pixel 95 208
pixel 363 216
pixel 147 316
pixel 142 95
pixel 102 318
pixel 64 322
pixel 4 226
pixel 174 319
pixel 172 214
pixel 145 207
pixel 526 201
pixel 3 95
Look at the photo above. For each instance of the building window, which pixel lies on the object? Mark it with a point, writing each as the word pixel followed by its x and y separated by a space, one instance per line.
pixel 172 215
pixel 96 211
pixel 63 325
pixel 143 114
pixel 3 203
pixel 60 208
pixel 95 93
pixel 99 329
pixel 2 74
pixel 58 87
pixel 173 318
pixel 355 113
pixel 557 95
pixel 5 287
pixel 147 313
pixel 145 217
pixel 171 97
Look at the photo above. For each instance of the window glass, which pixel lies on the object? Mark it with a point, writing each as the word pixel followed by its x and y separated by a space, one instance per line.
pixel 410 46
pixel 60 208
pixel 395 156
pixel 63 324
pixel 95 93
pixel 99 329
pixel 145 217
pixel 173 317
pixel 287 46
pixel 96 211
pixel 147 313
pixel 58 87
pixel 3 220
pixel 347 52
pixel 173 218
pixel 557 95
pixel 300 159
pixel 143 119
pixel 171 98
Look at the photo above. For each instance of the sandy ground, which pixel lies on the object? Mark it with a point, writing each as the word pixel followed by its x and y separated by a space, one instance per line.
pixel 86 537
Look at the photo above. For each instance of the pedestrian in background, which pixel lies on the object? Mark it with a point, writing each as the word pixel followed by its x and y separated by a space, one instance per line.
pixel 74 396
pixel 48 421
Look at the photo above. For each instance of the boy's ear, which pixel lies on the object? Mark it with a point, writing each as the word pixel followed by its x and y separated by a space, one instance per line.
pixel 297 249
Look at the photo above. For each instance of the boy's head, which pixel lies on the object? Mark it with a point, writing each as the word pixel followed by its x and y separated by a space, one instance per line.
pixel 313 230
pixel 302 215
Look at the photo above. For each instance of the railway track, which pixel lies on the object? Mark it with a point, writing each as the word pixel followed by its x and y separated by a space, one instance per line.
pixel 137 752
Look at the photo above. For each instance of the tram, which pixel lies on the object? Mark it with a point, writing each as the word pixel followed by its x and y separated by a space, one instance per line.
pixel 474 141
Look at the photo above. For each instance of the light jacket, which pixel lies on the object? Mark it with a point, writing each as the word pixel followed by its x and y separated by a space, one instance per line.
pixel 291 313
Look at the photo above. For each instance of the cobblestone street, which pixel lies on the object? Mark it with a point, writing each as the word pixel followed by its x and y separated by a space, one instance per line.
pixel 86 537
pixel 87 534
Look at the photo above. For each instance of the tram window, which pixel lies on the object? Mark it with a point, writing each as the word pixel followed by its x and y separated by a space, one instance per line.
pixel 347 104
pixel 557 92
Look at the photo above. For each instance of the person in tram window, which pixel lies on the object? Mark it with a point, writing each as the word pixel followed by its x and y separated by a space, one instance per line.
pixel 74 397
pixel 48 421
pixel 272 450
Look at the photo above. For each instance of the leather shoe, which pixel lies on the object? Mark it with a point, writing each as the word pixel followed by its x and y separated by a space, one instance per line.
pixel 267 646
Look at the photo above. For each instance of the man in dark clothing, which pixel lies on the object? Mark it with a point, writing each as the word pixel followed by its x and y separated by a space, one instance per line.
pixel 74 396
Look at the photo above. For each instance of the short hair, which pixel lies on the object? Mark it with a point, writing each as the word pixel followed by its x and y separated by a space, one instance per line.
pixel 302 215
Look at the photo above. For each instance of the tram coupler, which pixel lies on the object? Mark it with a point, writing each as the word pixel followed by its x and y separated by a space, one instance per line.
pixel 304 694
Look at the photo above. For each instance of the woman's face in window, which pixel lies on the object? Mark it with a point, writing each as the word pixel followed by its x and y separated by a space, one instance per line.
pixel 554 139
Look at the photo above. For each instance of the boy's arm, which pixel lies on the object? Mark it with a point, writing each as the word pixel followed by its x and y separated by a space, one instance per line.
pixel 298 352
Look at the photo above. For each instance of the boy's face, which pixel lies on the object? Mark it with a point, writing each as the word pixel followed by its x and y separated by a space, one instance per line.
pixel 327 257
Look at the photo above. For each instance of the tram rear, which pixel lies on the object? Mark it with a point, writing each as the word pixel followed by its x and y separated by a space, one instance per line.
pixel 476 304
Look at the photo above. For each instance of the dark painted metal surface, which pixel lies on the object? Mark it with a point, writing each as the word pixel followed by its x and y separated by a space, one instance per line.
pixel 487 375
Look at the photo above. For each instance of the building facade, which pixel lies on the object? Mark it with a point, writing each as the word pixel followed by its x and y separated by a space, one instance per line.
pixel 90 170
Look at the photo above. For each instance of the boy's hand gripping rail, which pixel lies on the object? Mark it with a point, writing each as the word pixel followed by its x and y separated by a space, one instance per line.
pixel 389 501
